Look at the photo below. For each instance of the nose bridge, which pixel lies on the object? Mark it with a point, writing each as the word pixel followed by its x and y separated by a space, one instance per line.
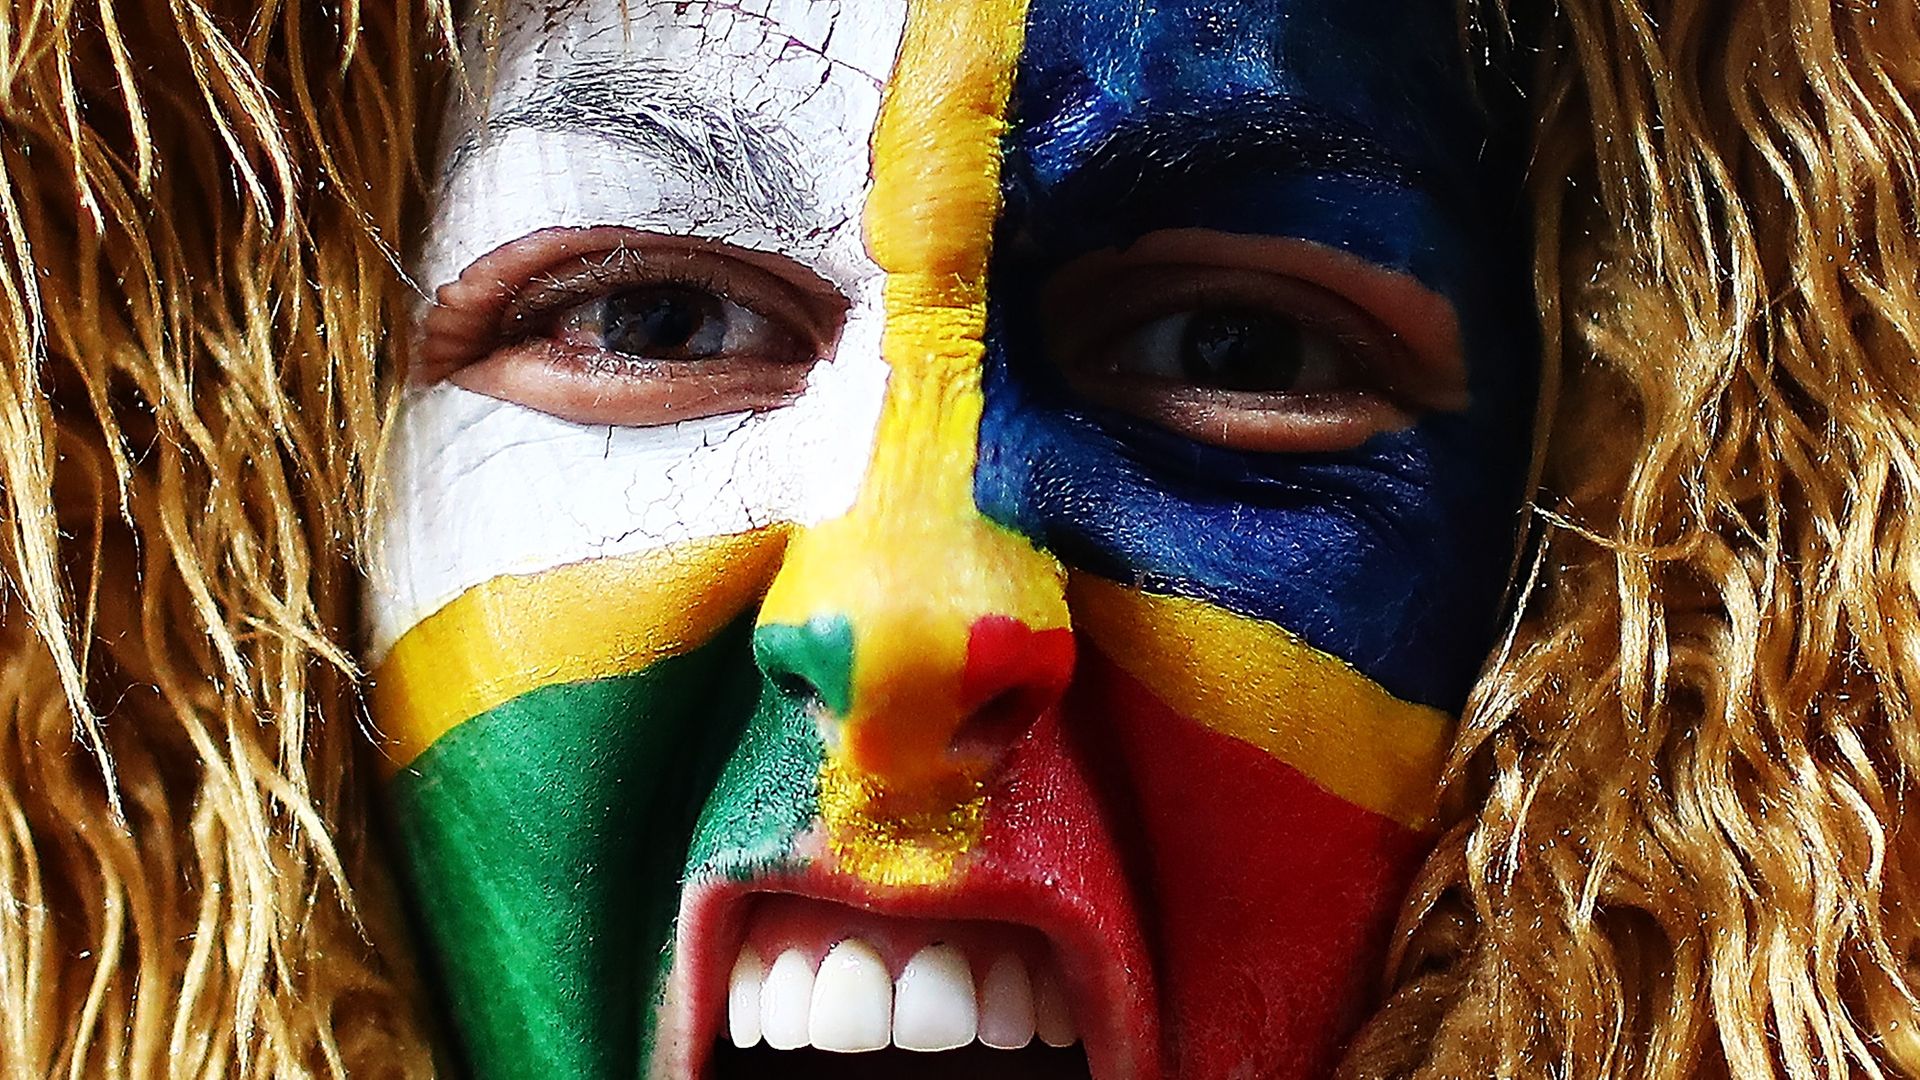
pixel 914 607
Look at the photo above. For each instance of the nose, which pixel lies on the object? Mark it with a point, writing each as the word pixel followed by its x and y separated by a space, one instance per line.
pixel 921 695
pixel 927 637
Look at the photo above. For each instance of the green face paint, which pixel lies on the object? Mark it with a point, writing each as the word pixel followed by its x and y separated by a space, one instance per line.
pixel 817 655
pixel 766 797
pixel 544 841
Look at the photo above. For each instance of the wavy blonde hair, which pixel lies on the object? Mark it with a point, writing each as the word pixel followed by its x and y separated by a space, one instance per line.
pixel 198 216
pixel 1684 842
pixel 1680 842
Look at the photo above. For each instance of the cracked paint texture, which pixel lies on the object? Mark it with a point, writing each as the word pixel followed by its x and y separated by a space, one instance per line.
pixel 786 93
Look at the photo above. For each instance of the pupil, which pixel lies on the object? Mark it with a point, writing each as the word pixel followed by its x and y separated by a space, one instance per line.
pixel 668 323
pixel 1240 350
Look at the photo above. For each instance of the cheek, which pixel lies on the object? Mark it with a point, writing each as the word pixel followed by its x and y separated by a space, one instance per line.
pixel 562 719
pixel 1273 897
pixel 518 552
pixel 541 840
pixel 479 488
pixel 559 619
pixel 1389 558
pixel 1272 650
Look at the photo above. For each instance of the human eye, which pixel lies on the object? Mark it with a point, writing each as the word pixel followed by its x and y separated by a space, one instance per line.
pixel 613 326
pixel 1254 343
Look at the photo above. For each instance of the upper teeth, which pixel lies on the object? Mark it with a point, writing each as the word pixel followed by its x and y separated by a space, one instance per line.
pixel 852 1006
pixel 1006 1005
pixel 849 1004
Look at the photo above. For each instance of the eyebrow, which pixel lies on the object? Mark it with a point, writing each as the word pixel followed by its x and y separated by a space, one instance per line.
pixel 749 160
pixel 1080 179
pixel 1170 144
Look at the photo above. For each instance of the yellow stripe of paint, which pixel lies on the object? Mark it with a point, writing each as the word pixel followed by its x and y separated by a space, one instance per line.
pixel 936 190
pixel 588 620
pixel 929 224
pixel 1261 684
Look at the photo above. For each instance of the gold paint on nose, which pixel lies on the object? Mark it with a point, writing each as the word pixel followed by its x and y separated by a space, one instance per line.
pixel 914 567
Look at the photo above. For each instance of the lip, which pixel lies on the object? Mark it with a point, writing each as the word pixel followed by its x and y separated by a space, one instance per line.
pixel 1046 861
pixel 1114 1008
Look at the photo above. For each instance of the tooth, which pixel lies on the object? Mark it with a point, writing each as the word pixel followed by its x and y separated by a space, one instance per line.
pixel 933 1006
pixel 1050 1016
pixel 1006 1005
pixel 785 1001
pixel 852 1000
pixel 743 998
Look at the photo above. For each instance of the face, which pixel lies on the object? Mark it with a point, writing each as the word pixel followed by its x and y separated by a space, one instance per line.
pixel 942 527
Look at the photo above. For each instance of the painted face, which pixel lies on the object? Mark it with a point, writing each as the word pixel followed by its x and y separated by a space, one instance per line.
pixel 944 525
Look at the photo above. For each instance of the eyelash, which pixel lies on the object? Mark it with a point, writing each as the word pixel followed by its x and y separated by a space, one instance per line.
pixel 497 329
pixel 540 303
pixel 1369 350
pixel 1200 290
pixel 1352 375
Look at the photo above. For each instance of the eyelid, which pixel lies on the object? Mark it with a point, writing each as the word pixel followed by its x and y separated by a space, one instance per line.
pixel 1419 321
pixel 505 293
pixel 1140 296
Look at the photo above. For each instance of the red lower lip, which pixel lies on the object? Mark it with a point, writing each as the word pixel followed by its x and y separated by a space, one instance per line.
pixel 1047 861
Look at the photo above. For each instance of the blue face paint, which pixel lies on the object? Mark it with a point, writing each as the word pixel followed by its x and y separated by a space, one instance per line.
pixel 1348 125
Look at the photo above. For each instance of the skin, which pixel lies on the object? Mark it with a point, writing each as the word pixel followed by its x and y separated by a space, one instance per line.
pixel 941 584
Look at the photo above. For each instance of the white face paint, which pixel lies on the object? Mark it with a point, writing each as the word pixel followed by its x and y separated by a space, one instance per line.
pixel 746 122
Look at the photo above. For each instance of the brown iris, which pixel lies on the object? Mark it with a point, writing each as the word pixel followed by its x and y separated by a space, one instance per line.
pixel 611 326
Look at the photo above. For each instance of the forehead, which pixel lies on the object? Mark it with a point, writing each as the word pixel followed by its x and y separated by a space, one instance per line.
pixel 744 122
pixel 1347 124
pixel 1391 65
pixel 760 95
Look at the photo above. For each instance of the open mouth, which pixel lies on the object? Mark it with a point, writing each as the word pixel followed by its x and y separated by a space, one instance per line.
pixel 796 986
pixel 822 988
pixel 825 976
pixel 1028 957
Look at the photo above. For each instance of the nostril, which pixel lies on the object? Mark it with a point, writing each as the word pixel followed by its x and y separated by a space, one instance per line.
pixel 1014 674
pixel 791 685
pixel 928 711
pixel 996 727
pixel 810 663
